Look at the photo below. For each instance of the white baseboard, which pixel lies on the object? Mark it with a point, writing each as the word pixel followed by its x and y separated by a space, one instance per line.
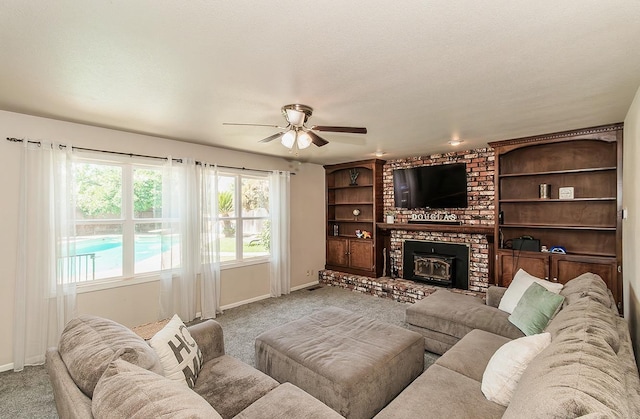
pixel 241 303
pixel 6 367
pixel 264 297
pixel 307 285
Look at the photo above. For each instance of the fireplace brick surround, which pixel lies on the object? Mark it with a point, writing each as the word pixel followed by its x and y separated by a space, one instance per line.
pixel 480 164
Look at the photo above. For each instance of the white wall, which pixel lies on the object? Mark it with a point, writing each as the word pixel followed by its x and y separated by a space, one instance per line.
pixel 138 304
pixel 631 226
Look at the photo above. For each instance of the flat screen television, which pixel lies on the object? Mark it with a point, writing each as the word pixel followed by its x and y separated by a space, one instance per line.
pixel 441 186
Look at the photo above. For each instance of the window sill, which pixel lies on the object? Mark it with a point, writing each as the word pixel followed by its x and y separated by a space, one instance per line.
pixel 104 284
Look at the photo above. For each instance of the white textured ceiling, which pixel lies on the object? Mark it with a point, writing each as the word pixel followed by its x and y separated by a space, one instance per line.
pixel 414 72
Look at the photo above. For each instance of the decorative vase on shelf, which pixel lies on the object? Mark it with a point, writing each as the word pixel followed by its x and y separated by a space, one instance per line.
pixel 389 219
pixel 353 177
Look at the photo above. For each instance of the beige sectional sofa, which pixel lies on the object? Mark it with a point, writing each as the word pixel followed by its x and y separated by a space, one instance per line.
pixel 106 370
pixel 588 369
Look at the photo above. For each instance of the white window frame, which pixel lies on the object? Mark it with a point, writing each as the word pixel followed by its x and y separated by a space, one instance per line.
pixel 128 222
pixel 240 259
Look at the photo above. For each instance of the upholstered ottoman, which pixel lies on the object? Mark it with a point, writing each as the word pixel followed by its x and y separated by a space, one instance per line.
pixel 354 365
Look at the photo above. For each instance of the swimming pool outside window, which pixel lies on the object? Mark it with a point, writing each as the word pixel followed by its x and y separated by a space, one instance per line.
pixel 121 232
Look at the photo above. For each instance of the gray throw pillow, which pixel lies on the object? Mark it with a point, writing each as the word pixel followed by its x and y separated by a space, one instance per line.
pixel 535 309
pixel 89 343
pixel 129 392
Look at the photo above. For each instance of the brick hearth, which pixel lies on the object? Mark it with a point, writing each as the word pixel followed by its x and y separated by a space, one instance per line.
pixel 401 290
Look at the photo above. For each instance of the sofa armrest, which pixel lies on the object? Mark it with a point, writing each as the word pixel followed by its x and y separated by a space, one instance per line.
pixel 494 295
pixel 71 402
pixel 209 337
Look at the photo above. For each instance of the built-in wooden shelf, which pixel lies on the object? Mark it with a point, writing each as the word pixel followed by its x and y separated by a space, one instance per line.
pixel 444 228
pixel 558 172
pixel 369 185
pixel 553 200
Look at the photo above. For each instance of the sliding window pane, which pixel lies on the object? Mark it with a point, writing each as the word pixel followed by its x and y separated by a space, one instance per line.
pixel 147 193
pixel 148 247
pixel 103 244
pixel 255 197
pixel 98 191
pixel 256 236
pixel 226 196
pixel 228 240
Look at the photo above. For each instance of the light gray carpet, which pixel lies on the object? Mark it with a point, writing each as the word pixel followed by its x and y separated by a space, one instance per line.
pixel 28 394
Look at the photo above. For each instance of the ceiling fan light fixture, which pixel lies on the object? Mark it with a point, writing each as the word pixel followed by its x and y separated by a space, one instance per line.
pixel 295 118
pixel 304 140
pixel 288 139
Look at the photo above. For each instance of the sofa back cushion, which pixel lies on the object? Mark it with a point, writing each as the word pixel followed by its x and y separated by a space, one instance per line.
pixel 89 343
pixel 128 391
pixel 580 373
pixel 588 285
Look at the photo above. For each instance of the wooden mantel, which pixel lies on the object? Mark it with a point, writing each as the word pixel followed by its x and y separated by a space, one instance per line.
pixel 444 228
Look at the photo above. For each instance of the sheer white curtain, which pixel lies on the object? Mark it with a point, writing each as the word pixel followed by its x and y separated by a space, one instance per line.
pixel 210 242
pixel 280 250
pixel 180 232
pixel 45 294
pixel 189 213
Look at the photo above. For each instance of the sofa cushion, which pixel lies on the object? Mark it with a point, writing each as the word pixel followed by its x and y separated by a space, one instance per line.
pixel 472 353
pixel 521 282
pixel 535 309
pixel 441 393
pixel 456 315
pixel 128 391
pixel 580 373
pixel 179 353
pixel 507 365
pixel 587 285
pixel 89 343
pixel 586 316
pixel 288 401
pixel 230 385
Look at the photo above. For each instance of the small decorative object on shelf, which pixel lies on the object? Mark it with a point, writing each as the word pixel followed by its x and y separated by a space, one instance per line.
pixel 359 234
pixel 336 230
pixel 390 217
pixel 366 234
pixel 566 192
pixel 353 175
pixel 356 212
pixel 545 191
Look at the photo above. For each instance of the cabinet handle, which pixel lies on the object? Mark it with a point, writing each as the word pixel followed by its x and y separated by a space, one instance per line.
pixel 555 279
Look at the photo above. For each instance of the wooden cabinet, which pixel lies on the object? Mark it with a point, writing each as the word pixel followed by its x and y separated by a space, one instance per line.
pixel 588 225
pixel 354 204
pixel 556 267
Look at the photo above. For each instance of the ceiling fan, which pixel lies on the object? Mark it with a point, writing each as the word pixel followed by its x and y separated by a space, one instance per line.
pixel 296 133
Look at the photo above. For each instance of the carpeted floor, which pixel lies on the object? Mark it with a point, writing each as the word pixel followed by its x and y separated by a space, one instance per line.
pixel 28 394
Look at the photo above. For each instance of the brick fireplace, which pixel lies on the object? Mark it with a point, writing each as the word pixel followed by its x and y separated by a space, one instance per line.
pixel 475 230
pixel 479 214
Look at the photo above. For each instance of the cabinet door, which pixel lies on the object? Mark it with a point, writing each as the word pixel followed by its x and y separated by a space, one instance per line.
pixel 337 251
pixel 566 267
pixel 361 254
pixel 535 263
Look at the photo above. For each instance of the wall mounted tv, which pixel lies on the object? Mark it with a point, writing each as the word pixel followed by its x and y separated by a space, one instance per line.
pixel 441 186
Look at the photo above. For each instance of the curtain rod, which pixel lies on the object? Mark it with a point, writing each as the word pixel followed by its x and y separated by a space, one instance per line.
pixel 21 140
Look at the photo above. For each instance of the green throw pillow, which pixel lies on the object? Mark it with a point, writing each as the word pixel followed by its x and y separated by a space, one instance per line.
pixel 535 309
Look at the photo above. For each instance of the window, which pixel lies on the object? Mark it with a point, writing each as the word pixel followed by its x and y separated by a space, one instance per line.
pixel 119 219
pixel 243 205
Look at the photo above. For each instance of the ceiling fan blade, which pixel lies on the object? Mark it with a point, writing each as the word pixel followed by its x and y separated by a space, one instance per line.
pixel 352 130
pixel 253 125
pixel 316 139
pixel 272 137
